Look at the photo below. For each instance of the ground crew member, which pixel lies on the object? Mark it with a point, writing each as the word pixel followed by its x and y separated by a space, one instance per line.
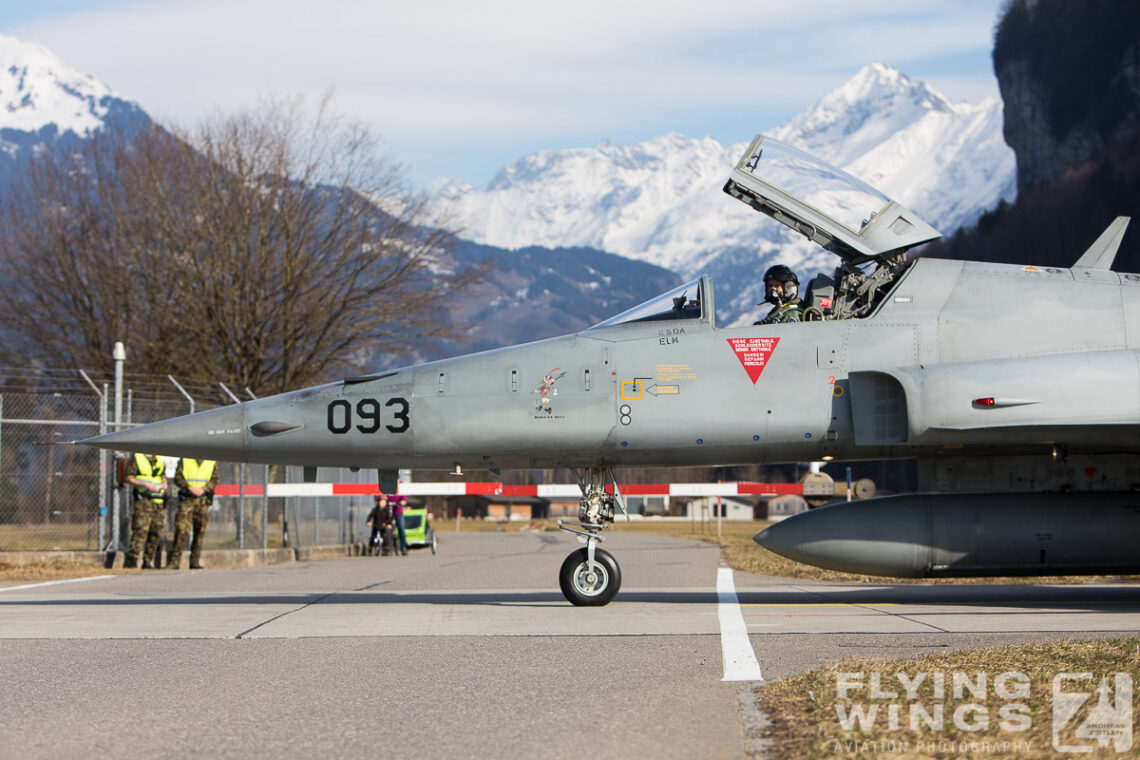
pixel 196 480
pixel 147 473
pixel 780 290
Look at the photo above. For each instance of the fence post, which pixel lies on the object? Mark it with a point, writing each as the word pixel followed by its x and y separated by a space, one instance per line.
pixel 1 447
pixel 119 354
pixel 102 505
pixel 264 494
pixel 182 391
pixel 291 501
pixel 241 485
pixel 241 506
pixel 105 460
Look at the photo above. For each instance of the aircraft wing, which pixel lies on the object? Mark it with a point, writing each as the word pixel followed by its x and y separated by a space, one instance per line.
pixel 825 204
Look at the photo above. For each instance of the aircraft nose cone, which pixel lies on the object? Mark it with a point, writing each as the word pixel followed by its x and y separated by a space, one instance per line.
pixel 214 434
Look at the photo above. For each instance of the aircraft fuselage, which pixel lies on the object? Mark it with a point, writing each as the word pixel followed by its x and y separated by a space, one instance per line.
pixel 904 382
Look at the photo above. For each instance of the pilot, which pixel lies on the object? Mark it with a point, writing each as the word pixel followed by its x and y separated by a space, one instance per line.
pixel 780 290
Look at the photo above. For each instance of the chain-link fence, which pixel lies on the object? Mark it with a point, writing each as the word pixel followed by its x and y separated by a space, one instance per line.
pixel 59 496
pixel 49 491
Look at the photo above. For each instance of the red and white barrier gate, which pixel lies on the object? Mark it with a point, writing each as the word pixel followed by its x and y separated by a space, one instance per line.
pixel 552 491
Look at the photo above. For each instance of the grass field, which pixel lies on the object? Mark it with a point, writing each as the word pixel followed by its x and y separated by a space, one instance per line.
pixel 1002 716
pixel 66 537
pixel 52 571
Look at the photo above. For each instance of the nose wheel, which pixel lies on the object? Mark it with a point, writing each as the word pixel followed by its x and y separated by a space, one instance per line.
pixel 590 577
pixel 590 584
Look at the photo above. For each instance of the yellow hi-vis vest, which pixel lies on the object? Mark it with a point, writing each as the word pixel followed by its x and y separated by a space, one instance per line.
pixel 149 474
pixel 197 475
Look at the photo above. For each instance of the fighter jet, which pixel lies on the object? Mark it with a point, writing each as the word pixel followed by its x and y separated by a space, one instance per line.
pixel 1015 387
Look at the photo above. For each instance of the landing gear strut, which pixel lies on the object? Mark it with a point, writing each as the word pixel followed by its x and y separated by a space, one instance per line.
pixel 590 577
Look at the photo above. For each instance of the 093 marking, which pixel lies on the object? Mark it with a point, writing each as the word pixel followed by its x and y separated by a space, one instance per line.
pixel 368 412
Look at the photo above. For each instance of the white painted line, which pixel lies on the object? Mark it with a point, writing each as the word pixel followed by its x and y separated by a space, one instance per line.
pixel 739 660
pixel 52 583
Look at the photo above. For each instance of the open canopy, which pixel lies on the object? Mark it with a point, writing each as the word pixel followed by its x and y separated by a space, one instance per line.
pixel 839 212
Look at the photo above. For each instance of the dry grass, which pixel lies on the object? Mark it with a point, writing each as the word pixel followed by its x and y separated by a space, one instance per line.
pixel 444 525
pixel 805 710
pixel 15 538
pixel 63 537
pixel 52 571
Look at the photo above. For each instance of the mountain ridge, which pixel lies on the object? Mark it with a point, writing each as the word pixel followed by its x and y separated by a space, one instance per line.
pixel 46 104
pixel 660 200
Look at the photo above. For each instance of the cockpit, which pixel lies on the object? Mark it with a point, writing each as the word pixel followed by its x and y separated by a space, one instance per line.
pixel 869 232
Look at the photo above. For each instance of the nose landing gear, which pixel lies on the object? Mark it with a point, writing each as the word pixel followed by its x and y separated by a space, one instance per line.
pixel 590 577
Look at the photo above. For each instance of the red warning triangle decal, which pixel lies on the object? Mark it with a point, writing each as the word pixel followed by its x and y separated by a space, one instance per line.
pixel 753 353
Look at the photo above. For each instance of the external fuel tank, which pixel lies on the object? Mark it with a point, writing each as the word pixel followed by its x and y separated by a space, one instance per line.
pixel 960 535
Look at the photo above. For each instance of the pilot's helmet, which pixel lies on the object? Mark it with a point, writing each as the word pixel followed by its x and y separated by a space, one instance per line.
pixel 787 279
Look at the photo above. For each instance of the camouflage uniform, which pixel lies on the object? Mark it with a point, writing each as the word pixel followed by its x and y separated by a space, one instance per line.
pixel 148 514
pixel 193 511
pixel 789 312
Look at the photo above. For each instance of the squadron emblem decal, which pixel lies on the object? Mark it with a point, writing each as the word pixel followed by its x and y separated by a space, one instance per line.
pixel 547 391
pixel 753 353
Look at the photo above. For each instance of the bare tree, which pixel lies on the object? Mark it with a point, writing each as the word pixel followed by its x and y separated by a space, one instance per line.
pixel 268 249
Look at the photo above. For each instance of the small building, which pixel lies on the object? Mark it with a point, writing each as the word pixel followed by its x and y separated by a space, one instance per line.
pixel 647 505
pixel 491 507
pixel 779 507
pixel 730 507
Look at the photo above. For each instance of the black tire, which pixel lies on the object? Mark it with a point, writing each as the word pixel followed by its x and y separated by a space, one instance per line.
pixel 431 537
pixel 578 588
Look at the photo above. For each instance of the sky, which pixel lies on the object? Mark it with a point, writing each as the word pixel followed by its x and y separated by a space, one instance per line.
pixel 457 88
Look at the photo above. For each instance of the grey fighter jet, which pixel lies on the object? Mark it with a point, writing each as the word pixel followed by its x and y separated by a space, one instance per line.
pixel 1016 387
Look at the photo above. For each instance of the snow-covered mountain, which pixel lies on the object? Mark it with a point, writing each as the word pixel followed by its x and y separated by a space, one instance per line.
pixel 46 104
pixel 660 201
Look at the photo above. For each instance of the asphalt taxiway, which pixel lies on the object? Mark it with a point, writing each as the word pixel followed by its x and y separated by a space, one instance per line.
pixel 470 652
